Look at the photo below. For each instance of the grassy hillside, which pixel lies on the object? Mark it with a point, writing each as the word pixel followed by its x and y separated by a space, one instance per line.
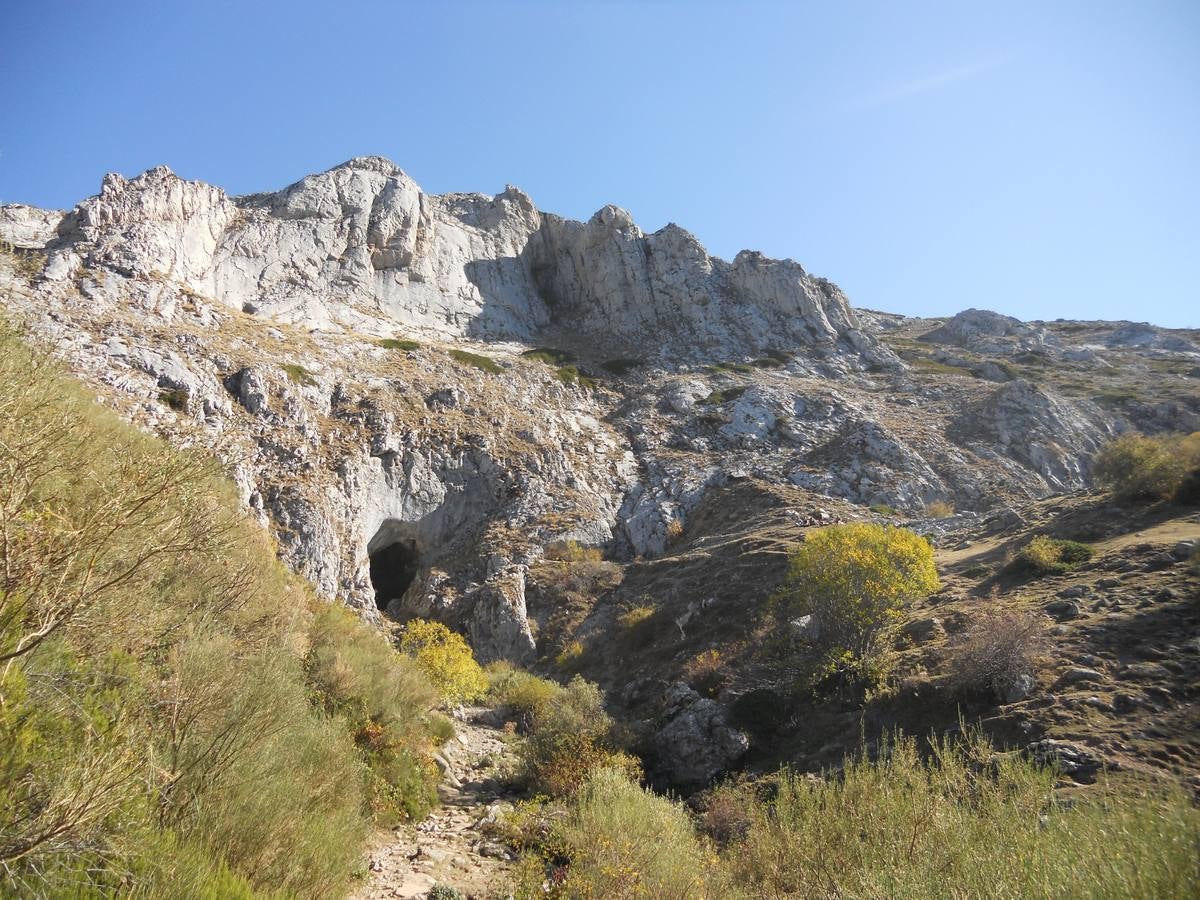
pixel 178 716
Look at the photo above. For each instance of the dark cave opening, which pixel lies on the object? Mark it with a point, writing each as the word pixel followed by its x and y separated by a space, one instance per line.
pixel 393 569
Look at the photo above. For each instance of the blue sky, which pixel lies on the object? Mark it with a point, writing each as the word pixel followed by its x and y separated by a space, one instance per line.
pixel 1041 159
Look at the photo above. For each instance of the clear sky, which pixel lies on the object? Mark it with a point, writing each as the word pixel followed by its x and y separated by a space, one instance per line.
pixel 1041 159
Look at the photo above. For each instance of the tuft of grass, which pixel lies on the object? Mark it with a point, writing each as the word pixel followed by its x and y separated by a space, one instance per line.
pixel 573 551
pixel 927 366
pixel 767 362
pixel 29 264
pixel 570 657
pixel 705 672
pixel 484 363
pixel 639 623
pixel 882 509
pixel 297 374
pixel 399 344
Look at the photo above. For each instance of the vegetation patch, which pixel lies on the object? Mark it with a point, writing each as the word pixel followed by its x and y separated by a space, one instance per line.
pixel 882 509
pixel 573 551
pixel 479 362
pixel 1044 555
pixel 960 818
pixel 928 366
pixel 174 398
pixel 572 375
pixel 739 368
pixel 297 374
pixel 768 362
pixel 550 356
pixel 29 264
pixel 179 715
pixel 568 736
pixel 998 654
pixel 399 344
pixel 939 509
pixel 723 395
pixel 1151 468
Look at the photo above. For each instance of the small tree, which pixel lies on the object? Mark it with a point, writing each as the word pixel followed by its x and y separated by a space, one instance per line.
pixel 854 580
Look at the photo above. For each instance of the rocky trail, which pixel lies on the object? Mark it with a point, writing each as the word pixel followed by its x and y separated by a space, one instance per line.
pixel 452 847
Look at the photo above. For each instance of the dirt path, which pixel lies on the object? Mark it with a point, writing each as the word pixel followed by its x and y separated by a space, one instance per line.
pixel 451 847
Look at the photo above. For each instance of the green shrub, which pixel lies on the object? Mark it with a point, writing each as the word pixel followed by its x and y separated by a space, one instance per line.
pixel 384 699
pixel 1137 467
pixel 1044 555
pixel 882 509
pixel 569 737
pixel 399 344
pixel 854 580
pixel 625 841
pixel 524 693
pixel 484 363
pixel 446 659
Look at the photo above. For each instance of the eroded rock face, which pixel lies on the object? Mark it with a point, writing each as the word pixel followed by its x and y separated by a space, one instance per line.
pixel 1050 435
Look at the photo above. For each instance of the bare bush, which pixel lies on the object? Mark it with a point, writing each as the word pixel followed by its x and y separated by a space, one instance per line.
pixel 998 654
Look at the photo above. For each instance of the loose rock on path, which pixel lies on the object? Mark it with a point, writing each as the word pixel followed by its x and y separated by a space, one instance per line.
pixel 451 847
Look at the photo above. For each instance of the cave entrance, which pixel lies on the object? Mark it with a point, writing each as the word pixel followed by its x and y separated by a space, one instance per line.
pixel 394 562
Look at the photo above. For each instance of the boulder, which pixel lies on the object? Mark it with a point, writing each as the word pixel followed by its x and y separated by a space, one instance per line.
pixel 695 740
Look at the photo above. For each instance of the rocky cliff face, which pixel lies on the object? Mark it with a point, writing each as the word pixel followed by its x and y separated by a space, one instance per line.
pixel 360 246
pixel 362 356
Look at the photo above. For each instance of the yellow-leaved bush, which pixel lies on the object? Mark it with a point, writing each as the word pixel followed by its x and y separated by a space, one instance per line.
pixel 446 659
pixel 854 580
